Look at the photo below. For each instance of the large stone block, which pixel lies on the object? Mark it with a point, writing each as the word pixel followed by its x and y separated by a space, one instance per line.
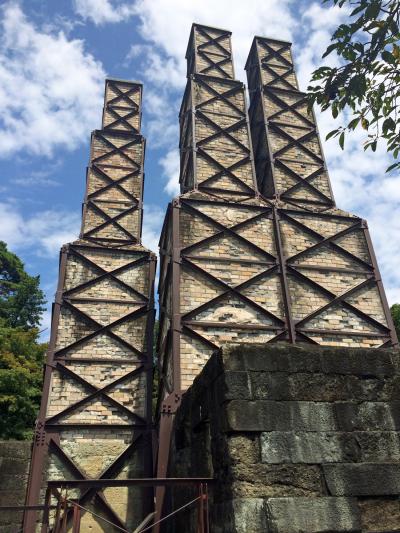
pixel 265 415
pixel 312 515
pixel 363 479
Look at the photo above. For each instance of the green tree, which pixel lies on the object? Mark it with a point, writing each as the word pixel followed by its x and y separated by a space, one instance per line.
pixel 21 299
pixel 395 310
pixel 21 369
pixel 367 82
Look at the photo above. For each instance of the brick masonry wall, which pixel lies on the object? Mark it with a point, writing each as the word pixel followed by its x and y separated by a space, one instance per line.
pixel 95 419
pixel 299 439
pixel 243 267
pixel 14 469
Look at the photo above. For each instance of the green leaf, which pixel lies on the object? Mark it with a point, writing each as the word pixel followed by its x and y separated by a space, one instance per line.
pixel 372 10
pixel 388 57
pixel 331 134
pixel 341 140
pixel 395 165
pixel 330 48
pixel 335 111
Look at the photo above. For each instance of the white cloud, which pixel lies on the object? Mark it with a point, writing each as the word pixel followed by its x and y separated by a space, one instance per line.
pixel 44 232
pixel 50 88
pixel 170 164
pixel 103 11
pixel 153 219
pixel 358 178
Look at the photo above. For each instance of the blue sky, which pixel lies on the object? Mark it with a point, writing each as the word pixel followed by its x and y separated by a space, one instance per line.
pixel 54 56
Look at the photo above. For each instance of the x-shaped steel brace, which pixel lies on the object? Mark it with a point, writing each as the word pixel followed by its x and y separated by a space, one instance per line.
pixel 225 170
pixel 214 65
pixel 228 289
pixel 302 182
pixel 273 94
pixel 124 95
pixel 113 183
pixel 110 220
pixel 337 299
pixel 103 329
pixel 79 474
pixel 275 53
pixel 295 142
pixel 326 241
pixel 213 40
pixel 119 119
pixel 278 77
pixel 104 274
pixel 222 229
pixel 96 392
pixel 224 132
pixel 224 96
pixel 119 150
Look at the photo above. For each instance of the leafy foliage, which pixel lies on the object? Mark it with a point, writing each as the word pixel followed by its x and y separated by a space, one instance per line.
pixel 21 363
pixel 367 83
pixel 395 310
pixel 21 299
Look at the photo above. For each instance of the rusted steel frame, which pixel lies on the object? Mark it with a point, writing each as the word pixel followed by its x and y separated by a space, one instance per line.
pixel 147 449
pixel 40 442
pixel 228 289
pixel 121 120
pixel 113 183
pixel 224 229
pixel 279 77
pixel 195 335
pixel 327 240
pixel 96 392
pixel 108 274
pixel 338 299
pixel 269 166
pixel 226 170
pixel 110 220
pixel 278 54
pixel 136 87
pixel 303 182
pixel 80 425
pixel 275 53
pixel 112 471
pixel 227 325
pixel 214 64
pixel 117 149
pixel 80 475
pixel 130 482
pixel 175 282
pixel 235 87
pixel 271 92
pixel 222 131
pixel 331 269
pixel 103 329
pixel 294 142
pixel 283 275
pixel 378 279
pixel 343 332
pixel 333 296
pixel 224 259
pixel 213 40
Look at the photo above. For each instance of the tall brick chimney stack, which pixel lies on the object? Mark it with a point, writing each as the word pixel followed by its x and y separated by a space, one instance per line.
pixel 95 417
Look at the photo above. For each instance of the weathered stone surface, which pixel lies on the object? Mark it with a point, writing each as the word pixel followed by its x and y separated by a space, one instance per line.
pixel 362 479
pixel 307 447
pixel 368 416
pixel 265 415
pixel 312 515
pixel 14 470
pixel 379 514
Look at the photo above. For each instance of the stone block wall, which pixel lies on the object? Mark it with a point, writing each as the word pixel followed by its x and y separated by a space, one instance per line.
pixel 299 439
pixel 14 469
